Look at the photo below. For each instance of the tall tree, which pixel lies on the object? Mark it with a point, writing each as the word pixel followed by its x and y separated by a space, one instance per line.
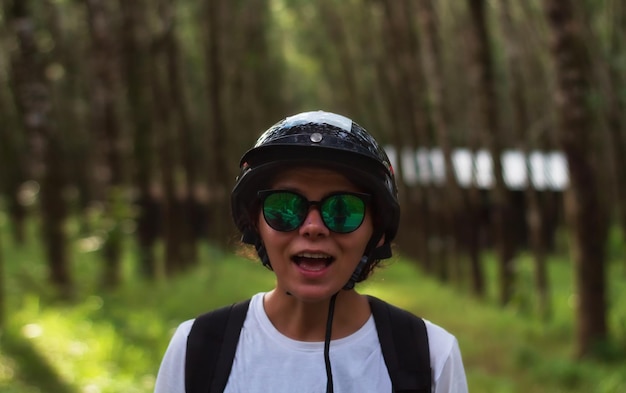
pixel 521 125
pixel 12 156
pixel 215 70
pixel 135 61
pixel 106 125
pixel 162 71
pixel 402 71
pixel 470 232
pixel 585 209
pixel 185 200
pixel 32 95
pixel 453 198
pixel 483 80
pixel 540 135
pixel 338 36
pixel 616 106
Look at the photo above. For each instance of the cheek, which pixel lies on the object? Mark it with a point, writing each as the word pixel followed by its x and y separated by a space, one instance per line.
pixel 271 238
pixel 358 241
pixel 262 228
pixel 367 227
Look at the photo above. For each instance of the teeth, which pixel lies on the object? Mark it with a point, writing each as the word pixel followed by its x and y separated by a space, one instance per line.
pixel 315 256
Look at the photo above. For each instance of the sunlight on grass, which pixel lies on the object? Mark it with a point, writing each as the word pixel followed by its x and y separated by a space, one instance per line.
pixel 504 350
pixel 87 352
pixel 114 342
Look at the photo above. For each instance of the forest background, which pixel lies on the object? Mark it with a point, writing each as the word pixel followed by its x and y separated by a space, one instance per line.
pixel 121 127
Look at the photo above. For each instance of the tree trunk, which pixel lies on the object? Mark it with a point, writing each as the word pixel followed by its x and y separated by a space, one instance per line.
pixel 482 78
pixel 135 62
pixel 452 199
pixel 585 209
pixel 11 156
pixel 32 96
pixel 408 132
pixel 167 146
pixel 521 125
pixel 185 200
pixel 106 126
pixel 616 108
pixel 218 175
pixel 350 95
pixel 468 228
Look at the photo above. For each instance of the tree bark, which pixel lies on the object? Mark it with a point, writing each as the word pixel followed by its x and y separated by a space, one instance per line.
pixel 483 80
pixel 135 62
pixel 12 156
pixel 32 95
pixel 168 142
pixel 585 209
pixel 106 125
pixel 470 228
pixel 402 70
pixel 453 198
pixel 616 108
pixel 350 96
pixel 186 199
pixel 219 177
pixel 521 126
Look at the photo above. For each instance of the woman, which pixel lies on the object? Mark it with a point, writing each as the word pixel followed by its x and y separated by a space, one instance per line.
pixel 317 198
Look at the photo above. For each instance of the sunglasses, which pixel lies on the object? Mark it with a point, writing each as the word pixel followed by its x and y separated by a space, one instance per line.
pixel 341 212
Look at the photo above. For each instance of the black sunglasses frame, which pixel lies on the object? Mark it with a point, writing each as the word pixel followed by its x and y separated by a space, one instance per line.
pixel 263 194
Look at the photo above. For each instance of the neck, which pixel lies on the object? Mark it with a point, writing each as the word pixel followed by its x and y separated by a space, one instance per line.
pixel 306 321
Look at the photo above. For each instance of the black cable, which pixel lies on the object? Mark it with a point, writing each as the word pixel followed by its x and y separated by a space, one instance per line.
pixel 329 329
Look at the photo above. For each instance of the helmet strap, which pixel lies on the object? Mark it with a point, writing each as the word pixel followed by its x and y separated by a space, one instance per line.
pixel 368 256
pixel 251 237
pixel 262 252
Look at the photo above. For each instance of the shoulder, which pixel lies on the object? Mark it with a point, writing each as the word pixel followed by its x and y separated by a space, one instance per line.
pixel 230 316
pixel 184 329
pixel 178 341
pixel 170 378
pixel 440 341
pixel 445 358
pixel 202 331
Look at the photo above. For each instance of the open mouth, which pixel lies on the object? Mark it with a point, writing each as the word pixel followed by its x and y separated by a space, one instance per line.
pixel 312 261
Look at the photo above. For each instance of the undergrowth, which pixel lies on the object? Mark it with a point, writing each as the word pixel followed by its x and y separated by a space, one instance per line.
pixel 110 342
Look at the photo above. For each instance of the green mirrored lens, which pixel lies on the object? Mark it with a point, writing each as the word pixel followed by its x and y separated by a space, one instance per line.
pixel 284 211
pixel 343 213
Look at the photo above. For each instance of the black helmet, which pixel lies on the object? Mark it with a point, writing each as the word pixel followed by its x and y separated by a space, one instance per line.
pixel 322 139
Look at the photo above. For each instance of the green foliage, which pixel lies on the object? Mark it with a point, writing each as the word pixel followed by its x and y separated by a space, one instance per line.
pixel 113 342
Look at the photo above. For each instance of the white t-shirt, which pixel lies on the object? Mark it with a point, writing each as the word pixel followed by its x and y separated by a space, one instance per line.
pixel 268 361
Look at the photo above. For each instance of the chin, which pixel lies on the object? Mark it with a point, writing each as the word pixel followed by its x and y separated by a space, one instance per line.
pixel 313 294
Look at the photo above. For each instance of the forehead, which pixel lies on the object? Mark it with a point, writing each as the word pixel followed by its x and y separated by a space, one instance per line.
pixel 313 177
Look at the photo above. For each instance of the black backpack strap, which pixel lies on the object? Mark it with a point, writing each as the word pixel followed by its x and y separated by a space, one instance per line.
pixel 211 347
pixel 404 343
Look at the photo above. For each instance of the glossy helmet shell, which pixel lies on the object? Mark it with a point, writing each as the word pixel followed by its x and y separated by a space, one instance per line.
pixel 320 139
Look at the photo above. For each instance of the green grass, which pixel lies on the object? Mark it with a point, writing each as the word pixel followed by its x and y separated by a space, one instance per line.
pixel 106 343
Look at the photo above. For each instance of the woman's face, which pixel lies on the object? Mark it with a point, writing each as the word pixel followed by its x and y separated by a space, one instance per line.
pixel 311 262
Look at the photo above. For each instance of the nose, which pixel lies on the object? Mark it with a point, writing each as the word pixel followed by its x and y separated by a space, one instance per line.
pixel 313 225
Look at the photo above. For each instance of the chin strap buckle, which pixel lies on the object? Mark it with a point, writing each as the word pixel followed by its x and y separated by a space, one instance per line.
pixel 357 272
